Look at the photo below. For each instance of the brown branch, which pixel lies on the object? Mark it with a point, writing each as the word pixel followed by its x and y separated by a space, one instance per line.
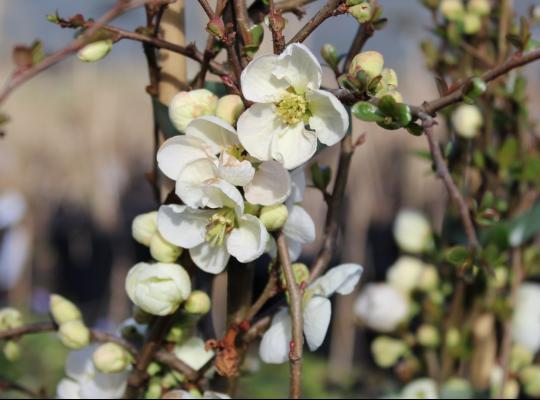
pixel 207 8
pixel 364 33
pixel 242 20
pixel 277 26
pixel 293 6
pixel 330 9
pixel 170 360
pixel 295 301
pixel 269 291
pixel 335 200
pixel 42 327
pixel 121 7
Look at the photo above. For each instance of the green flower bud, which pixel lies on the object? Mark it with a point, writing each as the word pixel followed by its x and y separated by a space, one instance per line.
pixel 429 279
pixel 362 12
pixel 500 280
pixel 428 336
pixel 10 318
pixel 63 310
pixel 453 338
pixel 530 377
pixel 229 108
pixel 352 3
pixel 371 62
pixel 388 351
pixel 389 77
pixel 164 251
pixel 457 388
pixel 153 369
pixel 274 217
pixel 479 7
pixel 198 303
pixel 154 390
pixel 12 351
pixel 453 10
pixel 329 55
pixel 520 357
pixel 176 334
pixel 95 51
pixel 144 227
pixel 74 335
pixel 472 24
pixel 368 112
pixel 111 358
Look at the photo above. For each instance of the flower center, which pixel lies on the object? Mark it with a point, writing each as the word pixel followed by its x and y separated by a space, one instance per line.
pixel 292 108
pixel 219 226
pixel 237 151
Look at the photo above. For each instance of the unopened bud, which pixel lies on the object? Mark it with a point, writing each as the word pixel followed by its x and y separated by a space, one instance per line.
pixel 110 358
pixel 362 12
pixel 472 24
pixel 144 227
pixel 176 334
pixel 428 336
pixel 95 51
pixel 164 251
pixel 521 357
pixel 352 3
pixel 229 108
pixel 530 377
pixel 198 302
pixel 216 27
pixel 300 272
pixel 186 106
pixel 453 10
pixel 12 351
pixel 429 279
pixel 329 55
pixel 371 62
pixel 10 318
pixel 63 310
pixel 154 390
pixel 397 96
pixel 467 121
pixel 453 338
pixel 389 77
pixel 274 217
pixel 74 335
pixel 387 351
pixel 479 7
pixel 500 280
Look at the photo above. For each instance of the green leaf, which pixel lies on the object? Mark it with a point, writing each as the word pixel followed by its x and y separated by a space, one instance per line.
pixel 415 129
pixel 366 111
pixel 458 255
pixel 321 176
pixel 508 153
pixel 38 53
pixel 525 227
pixel 515 40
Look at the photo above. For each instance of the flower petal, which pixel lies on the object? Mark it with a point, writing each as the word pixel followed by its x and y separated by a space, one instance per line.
pixel 274 347
pixel 341 279
pixel 190 185
pixel 271 185
pixel 105 386
pixel 258 82
pixel 329 117
pixel 183 226
pixel 293 145
pixel 177 152
pixel 256 128
pixel 298 177
pixel 223 194
pixel 214 132
pixel 193 352
pixel 248 241
pixel 68 389
pixel 299 226
pixel 317 315
pixel 209 258
pixel 299 67
pixel 234 171
pixel 79 363
pixel 295 249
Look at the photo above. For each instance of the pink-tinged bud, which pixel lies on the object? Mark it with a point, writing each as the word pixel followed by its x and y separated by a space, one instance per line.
pixel 216 27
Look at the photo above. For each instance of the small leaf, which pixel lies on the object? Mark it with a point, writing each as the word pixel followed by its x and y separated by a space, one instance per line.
pixel 415 129
pixel 38 54
pixel 366 111
pixel 525 227
pixel 515 40
pixel 321 176
pixel 374 84
pixel 458 256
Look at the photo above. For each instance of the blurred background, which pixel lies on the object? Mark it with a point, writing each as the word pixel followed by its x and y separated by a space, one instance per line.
pixel 73 163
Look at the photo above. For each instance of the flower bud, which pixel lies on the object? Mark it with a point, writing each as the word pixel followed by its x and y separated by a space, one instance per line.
pixel 521 357
pixel 110 358
pixel 164 251
pixel 10 318
pixel 186 106
pixel 274 217
pixel 330 55
pixel 530 377
pixel 453 10
pixel 198 303
pixel 154 390
pixel 176 334
pixel 500 280
pixel 362 12
pixel 389 77
pixel 405 273
pixel 229 108
pixel 159 289
pixel 472 24
pixel 144 227
pixel 412 231
pixel 453 338
pixel 457 388
pixel 12 351
pixel 63 310
pixel 352 3
pixel 95 51
pixel 467 121
pixel 423 388
pixel 397 96
pixel 479 7
pixel 216 27
pixel 74 335
pixel 429 279
pixel 300 272
pixel 371 62
pixel 387 351
pixel 428 336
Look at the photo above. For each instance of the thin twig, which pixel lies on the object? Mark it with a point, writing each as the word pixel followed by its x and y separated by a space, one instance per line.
pixel 330 9
pixel 269 291
pixel 295 301
pixel 207 8
pixel 364 33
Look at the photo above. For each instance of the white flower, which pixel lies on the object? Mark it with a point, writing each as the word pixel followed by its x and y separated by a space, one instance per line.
pixel 208 163
pixel 287 96
pixel 194 353
pixel 158 289
pixel 343 279
pixel 85 382
pixel 412 231
pixel 212 236
pixel 467 121
pixel 405 273
pixel 382 307
pixel 526 323
pixel 423 388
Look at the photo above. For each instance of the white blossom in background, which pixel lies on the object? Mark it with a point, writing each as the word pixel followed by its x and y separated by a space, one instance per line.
pixel 317 312
pixel 212 236
pixel 382 307
pixel 193 352
pixel 467 121
pixel 423 388
pixel 290 112
pixel 406 273
pixel 158 289
pixel 412 231
pixel 526 322
pixel 83 381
